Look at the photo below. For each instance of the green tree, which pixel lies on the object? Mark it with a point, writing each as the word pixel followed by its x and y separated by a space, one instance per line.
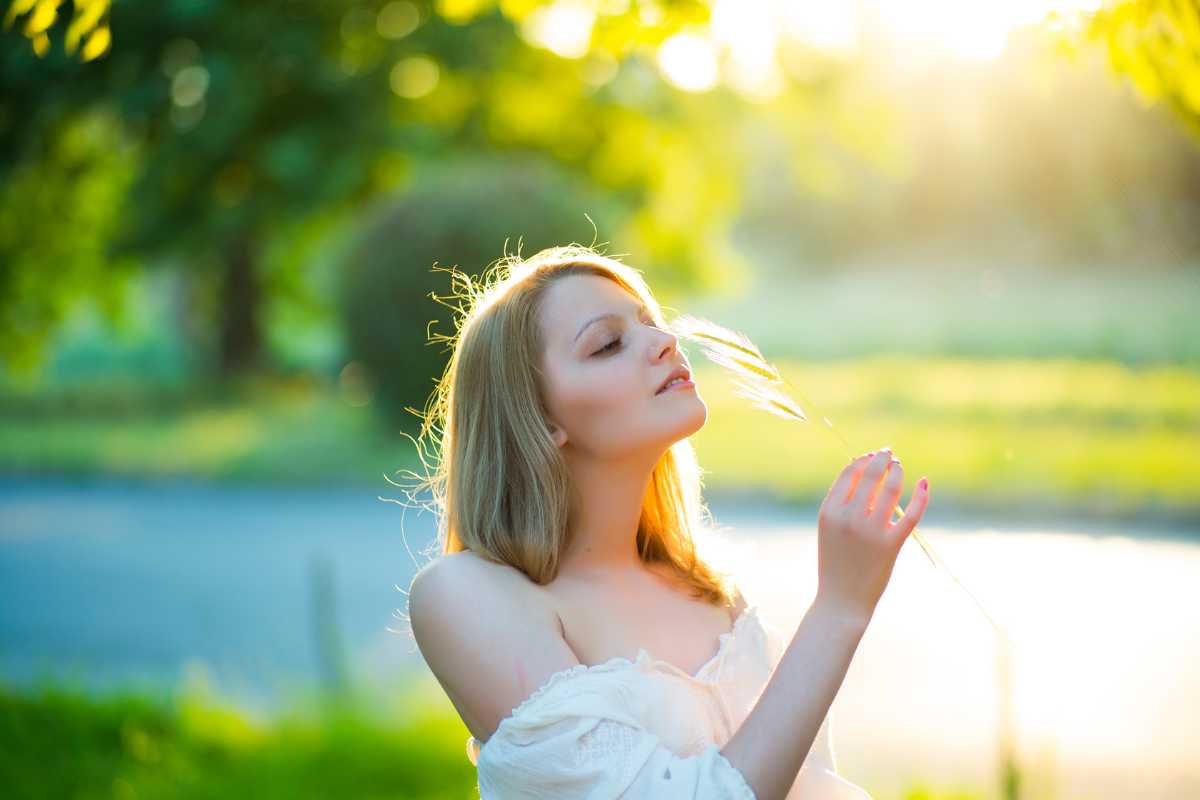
pixel 246 119
pixel 260 124
pixel 58 212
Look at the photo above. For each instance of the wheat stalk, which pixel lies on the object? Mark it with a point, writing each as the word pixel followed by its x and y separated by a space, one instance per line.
pixel 761 382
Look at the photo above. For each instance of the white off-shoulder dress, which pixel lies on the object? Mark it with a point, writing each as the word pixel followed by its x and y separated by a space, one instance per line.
pixel 647 729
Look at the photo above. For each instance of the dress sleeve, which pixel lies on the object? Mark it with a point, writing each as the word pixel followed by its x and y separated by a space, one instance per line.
pixel 581 739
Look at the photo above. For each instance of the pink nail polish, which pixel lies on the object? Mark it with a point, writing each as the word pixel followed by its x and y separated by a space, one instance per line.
pixel 924 483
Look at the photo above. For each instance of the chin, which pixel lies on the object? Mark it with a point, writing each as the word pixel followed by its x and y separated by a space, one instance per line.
pixel 692 422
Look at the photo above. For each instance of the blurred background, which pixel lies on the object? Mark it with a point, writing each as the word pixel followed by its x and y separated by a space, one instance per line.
pixel 970 231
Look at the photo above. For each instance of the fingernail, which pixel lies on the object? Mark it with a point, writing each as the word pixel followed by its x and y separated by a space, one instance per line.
pixel 924 484
pixel 871 453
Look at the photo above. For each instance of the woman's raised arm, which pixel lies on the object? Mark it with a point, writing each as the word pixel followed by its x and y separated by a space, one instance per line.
pixel 857 547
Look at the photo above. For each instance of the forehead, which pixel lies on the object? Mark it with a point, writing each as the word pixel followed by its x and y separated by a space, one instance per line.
pixel 573 300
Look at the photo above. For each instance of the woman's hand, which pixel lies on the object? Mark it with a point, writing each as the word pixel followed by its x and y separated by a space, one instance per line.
pixel 857 543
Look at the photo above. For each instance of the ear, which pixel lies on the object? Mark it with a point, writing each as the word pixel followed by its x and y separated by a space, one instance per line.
pixel 558 435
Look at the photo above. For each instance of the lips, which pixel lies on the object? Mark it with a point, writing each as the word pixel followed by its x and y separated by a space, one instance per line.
pixel 679 372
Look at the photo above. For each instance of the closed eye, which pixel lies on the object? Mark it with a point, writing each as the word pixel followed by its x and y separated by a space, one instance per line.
pixel 608 347
pixel 613 346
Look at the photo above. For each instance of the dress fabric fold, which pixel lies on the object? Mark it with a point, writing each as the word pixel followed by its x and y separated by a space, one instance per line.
pixel 644 728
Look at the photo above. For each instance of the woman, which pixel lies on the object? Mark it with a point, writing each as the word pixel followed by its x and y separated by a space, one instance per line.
pixel 587 647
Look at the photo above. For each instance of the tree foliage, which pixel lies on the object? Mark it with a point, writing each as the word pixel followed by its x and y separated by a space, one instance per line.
pixel 252 120
pixel 1156 44
pixel 88 25
pixel 59 212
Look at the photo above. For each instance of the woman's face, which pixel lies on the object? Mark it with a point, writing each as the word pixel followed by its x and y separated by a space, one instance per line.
pixel 603 363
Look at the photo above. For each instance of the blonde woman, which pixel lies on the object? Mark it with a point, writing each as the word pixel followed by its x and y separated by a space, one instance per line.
pixel 588 648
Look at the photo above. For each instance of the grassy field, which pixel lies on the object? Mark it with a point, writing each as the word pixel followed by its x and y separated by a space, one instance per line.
pixel 271 431
pixel 1093 438
pixel 1134 315
pixel 1098 438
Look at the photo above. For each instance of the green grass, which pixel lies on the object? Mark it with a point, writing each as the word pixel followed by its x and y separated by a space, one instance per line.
pixel 268 431
pixel 62 743
pixel 1095 437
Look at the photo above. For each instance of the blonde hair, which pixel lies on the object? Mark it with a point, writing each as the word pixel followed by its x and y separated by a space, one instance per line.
pixel 501 487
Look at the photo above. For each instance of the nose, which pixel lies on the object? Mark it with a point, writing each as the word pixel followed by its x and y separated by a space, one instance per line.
pixel 666 346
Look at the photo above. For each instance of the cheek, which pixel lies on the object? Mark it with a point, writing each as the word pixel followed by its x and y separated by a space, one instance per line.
pixel 590 399
pixel 598 391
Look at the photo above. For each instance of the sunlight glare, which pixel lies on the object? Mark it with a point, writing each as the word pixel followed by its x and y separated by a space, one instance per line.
pixel 826 26
pixel 745 35
pixel 689 61
pixel 747 29
pixel 968 30
pixel 564 28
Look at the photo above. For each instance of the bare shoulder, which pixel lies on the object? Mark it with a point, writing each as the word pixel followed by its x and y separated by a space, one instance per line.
pixel 489 635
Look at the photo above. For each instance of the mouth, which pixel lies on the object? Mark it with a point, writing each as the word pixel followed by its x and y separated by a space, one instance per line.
pixel 679 375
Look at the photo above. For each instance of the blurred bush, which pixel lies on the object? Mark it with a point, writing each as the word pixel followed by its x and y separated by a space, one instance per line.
pixel 464 214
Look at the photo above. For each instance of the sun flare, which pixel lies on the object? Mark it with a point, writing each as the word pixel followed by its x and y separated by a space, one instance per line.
pixel 739 45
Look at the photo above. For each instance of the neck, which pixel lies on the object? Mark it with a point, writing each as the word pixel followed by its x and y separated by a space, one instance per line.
pixel 605 514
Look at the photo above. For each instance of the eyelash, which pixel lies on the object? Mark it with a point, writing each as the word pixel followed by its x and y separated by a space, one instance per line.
pixel 607 346
pixel 616 341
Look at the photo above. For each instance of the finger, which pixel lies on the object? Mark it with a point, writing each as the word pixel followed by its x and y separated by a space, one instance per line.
pixel 874 496
pixel 842 487
pixel 912 512
pixel 889 492
pixel 864 492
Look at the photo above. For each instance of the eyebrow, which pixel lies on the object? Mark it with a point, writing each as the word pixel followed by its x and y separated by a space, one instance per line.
pixel 607 315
